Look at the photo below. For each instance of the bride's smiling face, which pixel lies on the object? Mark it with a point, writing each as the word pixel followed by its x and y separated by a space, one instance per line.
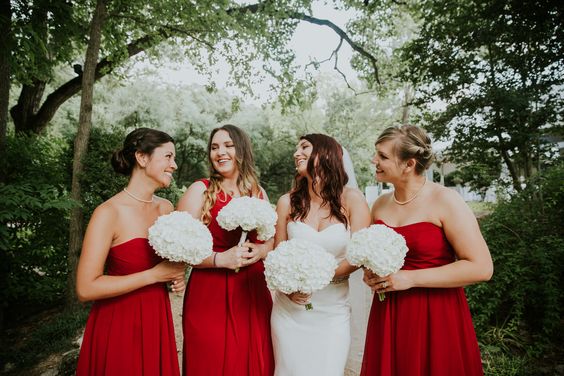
pixel 301 156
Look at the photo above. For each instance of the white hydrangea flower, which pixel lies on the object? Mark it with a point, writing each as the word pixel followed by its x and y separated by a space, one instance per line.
pixel 249 213
pixel 378 248
pixel 299 265
pixel 179 237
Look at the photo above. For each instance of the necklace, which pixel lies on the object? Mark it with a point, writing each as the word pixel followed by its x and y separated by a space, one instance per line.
pixel 411 199
pixel 137 198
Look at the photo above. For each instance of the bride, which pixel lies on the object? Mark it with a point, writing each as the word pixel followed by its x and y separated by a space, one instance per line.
pixel 319 208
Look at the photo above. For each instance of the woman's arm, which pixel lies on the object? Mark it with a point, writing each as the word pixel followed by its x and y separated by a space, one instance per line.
pixel 473 264
pixel 91 283
pixel 359 218
pixel 283 212
pixel 192 202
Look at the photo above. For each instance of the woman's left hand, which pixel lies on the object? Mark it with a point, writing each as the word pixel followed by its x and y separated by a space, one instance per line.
pixel 177 285
pixel 394 282
pixel 256 252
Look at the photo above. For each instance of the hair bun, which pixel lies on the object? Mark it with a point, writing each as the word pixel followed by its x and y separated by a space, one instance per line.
pixel 120 163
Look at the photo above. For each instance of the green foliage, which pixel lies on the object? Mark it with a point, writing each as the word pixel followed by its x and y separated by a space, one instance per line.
pixel 526 240
pixel 34 204
pixel 52 334
pixel 498 81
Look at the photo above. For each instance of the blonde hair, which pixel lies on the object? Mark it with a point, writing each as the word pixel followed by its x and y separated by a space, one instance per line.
pixel 247 181
pixel 410 141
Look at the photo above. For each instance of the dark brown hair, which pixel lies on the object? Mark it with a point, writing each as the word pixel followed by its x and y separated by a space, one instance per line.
pixel 325 167
pixel 144 140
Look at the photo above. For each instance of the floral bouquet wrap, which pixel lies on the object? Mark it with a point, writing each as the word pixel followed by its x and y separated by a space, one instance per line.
pixel 378 248
pixel 179 237
pixel 298 265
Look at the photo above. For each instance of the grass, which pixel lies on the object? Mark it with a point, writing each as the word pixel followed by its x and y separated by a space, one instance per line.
pixel 51 332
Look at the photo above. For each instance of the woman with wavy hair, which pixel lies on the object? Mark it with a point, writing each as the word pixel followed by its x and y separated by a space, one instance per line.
pixel 322 209
pixel 226 316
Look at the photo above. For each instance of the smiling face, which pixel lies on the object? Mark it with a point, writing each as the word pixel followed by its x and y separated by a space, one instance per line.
pixel 222 153
pixel 161 164
pixel 386 162
pixel 301 156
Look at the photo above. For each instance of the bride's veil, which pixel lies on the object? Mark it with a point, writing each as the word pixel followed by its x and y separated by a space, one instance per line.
pixel 359 294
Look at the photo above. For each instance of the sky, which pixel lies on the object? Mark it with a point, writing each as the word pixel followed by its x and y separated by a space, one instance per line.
pixel 309 42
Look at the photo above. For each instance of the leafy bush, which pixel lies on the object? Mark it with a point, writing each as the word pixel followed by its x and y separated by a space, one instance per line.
pixel 34 205
pixel 526 240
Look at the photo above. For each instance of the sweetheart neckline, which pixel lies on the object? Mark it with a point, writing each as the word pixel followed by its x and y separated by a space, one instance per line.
pixel 320 231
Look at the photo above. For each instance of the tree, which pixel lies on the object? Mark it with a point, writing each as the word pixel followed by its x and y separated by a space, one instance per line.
pixel 81 144
pixel 498 66
pixel 5 50
pixel 51 33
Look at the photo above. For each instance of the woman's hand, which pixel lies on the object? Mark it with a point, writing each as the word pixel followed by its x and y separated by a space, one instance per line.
pixel 256 252
pixel 394 282
pixel 167 271
pixel 299 298
pixel 232 259
pixel 178 285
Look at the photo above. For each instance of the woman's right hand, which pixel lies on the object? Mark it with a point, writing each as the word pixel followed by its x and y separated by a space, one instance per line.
pixel 167 271
pixel 233 258
pixel 299 298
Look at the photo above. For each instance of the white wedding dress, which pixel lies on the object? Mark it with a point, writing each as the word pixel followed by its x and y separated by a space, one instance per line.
pixel 314 342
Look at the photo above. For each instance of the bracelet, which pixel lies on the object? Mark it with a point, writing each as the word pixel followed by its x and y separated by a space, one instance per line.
pixel 214 255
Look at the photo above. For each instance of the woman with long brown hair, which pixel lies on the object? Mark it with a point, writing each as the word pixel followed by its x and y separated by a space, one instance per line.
pixel 321 209
pixel 226 316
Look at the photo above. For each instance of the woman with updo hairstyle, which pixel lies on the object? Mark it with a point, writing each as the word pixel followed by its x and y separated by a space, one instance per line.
pixel 322 209
pixel 130 330
pixel 227 305
pixel 423 326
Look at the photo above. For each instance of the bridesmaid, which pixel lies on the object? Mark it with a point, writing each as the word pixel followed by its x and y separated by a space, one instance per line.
pixel 226 317
pixel 423 327
pixel 130 330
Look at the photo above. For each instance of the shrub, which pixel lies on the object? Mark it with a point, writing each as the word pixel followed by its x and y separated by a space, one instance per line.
pixel 525 237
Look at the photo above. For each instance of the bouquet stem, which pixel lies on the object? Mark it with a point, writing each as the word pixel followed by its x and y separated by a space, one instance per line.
pixel 241 241
pixel 381 296
pixel 308 307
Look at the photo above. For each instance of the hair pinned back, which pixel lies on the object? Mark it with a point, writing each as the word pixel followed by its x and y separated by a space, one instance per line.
pixel 410 142
pixel 143 140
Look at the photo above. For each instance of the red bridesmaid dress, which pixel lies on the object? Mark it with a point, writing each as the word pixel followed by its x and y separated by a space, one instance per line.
pixel 422 331
pixel 130 334
pixel 226 316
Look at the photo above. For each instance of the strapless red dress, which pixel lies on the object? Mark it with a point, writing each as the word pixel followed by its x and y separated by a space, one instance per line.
pixel 131 334
pixel 422 331
pixel 226 316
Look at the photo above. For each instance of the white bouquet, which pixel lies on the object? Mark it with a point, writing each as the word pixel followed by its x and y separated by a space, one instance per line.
pixel 299 265
pixel 379 248
pixel 179 237
pixel 249 213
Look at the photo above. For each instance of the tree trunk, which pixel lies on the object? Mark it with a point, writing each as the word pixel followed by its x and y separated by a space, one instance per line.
pixel 81 146
pixel 5 49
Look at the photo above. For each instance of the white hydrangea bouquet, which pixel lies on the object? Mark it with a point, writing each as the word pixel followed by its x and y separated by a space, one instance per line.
pixel 378 248
pixel 298 265
pixel 249 213
pixel 179 237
